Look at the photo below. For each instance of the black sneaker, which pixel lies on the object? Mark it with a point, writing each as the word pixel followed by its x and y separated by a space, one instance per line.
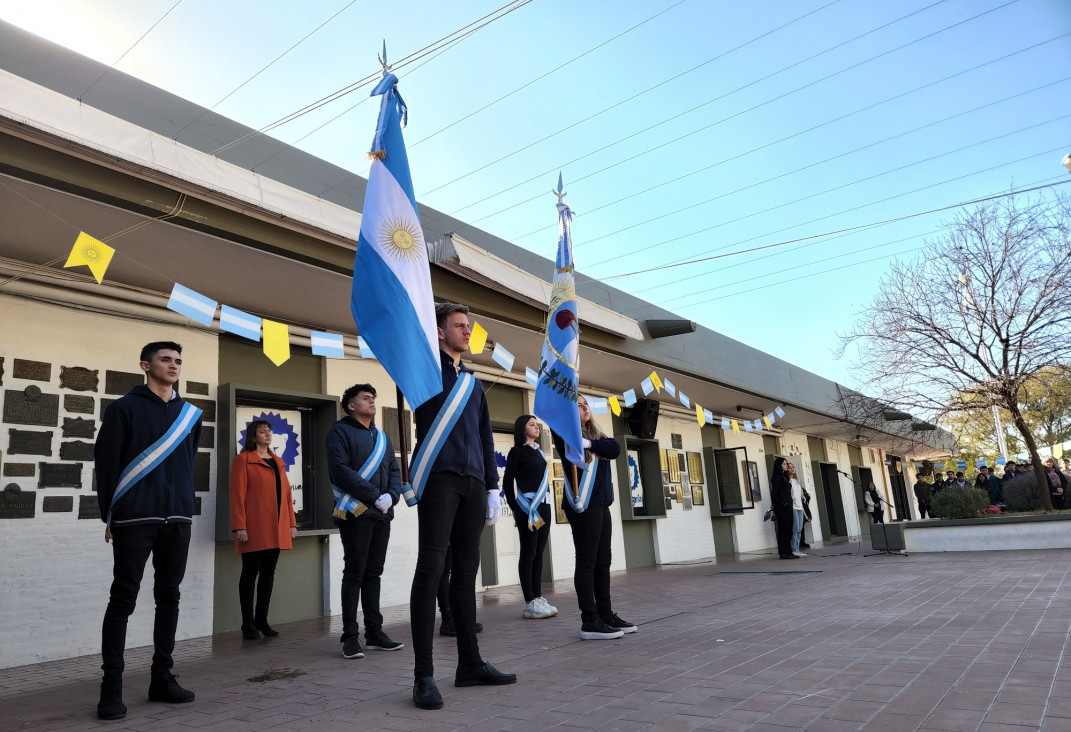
pixel 381 642
pixel 167 689
pixel 111 704
pixel 615 621
pixel 598 630
pixel 351 648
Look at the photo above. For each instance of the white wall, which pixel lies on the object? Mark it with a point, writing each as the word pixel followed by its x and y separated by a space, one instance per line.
pixel 683 535
pixel 56 569
pixel 752 533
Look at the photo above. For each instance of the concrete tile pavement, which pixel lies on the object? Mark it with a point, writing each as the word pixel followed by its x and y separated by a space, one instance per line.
pixel 836 641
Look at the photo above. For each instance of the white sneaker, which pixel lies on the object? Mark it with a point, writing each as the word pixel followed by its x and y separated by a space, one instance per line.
pixel 798 554
pixel 547 607
pixel 531 611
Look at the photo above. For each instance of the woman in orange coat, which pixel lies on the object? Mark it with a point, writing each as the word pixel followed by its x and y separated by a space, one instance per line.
pixel 263 522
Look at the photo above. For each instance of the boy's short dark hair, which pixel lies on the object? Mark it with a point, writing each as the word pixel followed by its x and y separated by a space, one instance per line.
pixel 150 350
pixel 445 309
pixel 349 394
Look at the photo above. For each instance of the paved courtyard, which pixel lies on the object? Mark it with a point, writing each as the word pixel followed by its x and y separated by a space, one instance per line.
pixel 837 641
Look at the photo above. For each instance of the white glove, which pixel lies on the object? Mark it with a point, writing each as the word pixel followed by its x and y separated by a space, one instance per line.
pixel 587 443
pixel 494 507
pixel 384 502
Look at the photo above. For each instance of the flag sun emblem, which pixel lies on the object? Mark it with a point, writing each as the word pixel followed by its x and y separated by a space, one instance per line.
pixel 401 239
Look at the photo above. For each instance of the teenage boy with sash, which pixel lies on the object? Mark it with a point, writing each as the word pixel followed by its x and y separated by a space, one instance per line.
pixel 455 488
pixel 144 459
pixel 366 483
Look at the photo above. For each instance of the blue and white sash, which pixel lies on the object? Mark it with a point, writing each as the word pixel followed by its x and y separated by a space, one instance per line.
pixel 151 457
pixel 344 502
pixel 531 505
pixel 433 442
pixel 587 482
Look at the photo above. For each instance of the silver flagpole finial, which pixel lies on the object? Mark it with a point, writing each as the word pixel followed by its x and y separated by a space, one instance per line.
pixel 383 59
pixel 560 193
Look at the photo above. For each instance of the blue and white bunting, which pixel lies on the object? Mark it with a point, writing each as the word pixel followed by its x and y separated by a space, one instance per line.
pixel 193 305
pixel 708 416
pixel 366 352
pixel 747 426
pixel 598 405
pixel 647 385
pixel 670 389
pixel 725 423
pixel 779 412
pixel 235 321
pixel 630 397
pixel 327 344
pixel 531 376
pixel 758 425
pixel 685 400
pixel 502 357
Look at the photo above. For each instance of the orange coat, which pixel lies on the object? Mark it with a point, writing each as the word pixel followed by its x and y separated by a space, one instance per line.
pixel 254 507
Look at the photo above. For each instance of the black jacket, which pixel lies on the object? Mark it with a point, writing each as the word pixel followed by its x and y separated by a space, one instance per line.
pixel 349 443
pixel 602 492
pixel 129 426
pixel 525 466
pixel 469 449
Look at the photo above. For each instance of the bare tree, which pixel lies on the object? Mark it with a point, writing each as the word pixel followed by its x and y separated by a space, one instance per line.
pixel 984 309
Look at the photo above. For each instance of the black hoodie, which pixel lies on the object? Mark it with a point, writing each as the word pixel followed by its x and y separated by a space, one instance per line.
pixel 130 425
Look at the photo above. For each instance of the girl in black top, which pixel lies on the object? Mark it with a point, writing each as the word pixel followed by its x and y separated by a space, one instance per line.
pixel 525 466
pixel 781 497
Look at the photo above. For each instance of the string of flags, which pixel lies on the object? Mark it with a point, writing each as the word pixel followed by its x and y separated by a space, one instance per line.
pixel 275 336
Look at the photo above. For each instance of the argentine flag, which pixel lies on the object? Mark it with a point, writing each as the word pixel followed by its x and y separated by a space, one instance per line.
pixel 391 299
pixel 559 368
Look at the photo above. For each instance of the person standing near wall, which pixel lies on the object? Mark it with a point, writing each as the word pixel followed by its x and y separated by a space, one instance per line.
pixel 924 495
pixel 144 457
pixel 781 498
pixel 455 485
pixel 872 499
pixel 366 483
pixel 263 523
pixel 797 511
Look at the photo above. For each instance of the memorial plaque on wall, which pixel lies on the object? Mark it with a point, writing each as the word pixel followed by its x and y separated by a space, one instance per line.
pixel 197 387
pixel 121 382
pixel 29 442
pixel 389 424
pixel 76 450
pixel 60 475
pixel 208 437
pixel 78 404
pixel 201 468
pixel 32 370
pixel 19 470
pixel 79 427
pixel 57 504
pixel 207 406
pixel 88 508
pixel 31 406
pixel 16 503
pixel 78 378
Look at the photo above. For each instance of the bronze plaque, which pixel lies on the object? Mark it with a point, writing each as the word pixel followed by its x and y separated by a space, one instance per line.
pixel 197 387
pixel 16 503
pixel 201 467
pixel 60 475
pixel 57 504
pixel 78 378
pixel 76 450
pixel 88 508
pixel 29 442
pixel 208 437
pixel 79 427
pixel 207 406
pixel 389 424
pixel 32 370
pixel 31 406
pixel 121 382
pixel 19 470
pixel 78 404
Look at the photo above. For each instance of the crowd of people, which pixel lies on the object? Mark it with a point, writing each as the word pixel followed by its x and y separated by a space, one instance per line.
pixel 986 479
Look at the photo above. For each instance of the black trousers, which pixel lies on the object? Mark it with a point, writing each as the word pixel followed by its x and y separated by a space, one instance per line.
pixel 924 506
pixel 450 515
pixel 783 516
pixel 878 514
pixel 530 560
pixel 169 546
pixel 592 530
pixel 364 543
pixel 258 576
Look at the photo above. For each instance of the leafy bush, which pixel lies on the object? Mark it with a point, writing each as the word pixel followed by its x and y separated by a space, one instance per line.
pixel 955 502
pixel 1021 494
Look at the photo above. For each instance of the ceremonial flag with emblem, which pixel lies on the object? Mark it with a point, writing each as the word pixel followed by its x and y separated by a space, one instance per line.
pixel 392 301
pixel 559 367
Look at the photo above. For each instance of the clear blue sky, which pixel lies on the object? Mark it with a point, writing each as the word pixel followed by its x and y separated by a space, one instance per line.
pixel 749 170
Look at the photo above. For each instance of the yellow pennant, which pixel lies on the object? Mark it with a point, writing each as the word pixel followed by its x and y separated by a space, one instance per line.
pixel 766 421
pixel 276 342
pixel 656 382
pixel 699 415
pixel 91 252
pixel 736 427
pixel 477 339
pixel 615 406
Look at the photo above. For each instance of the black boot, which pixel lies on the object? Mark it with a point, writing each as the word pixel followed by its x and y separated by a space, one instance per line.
pixel 447 626
pixel 260 617
pixel 167 689
pixel 250 632
pixel 111 704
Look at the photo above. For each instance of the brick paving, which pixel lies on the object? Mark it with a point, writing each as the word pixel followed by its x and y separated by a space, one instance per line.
pixel 845 641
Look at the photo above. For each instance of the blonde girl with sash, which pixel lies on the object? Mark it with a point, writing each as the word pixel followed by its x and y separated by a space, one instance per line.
pixel 526 484
pixel 587 508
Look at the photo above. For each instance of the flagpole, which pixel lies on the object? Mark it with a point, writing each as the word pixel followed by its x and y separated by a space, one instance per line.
pixel 576 490
pixel 403 438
